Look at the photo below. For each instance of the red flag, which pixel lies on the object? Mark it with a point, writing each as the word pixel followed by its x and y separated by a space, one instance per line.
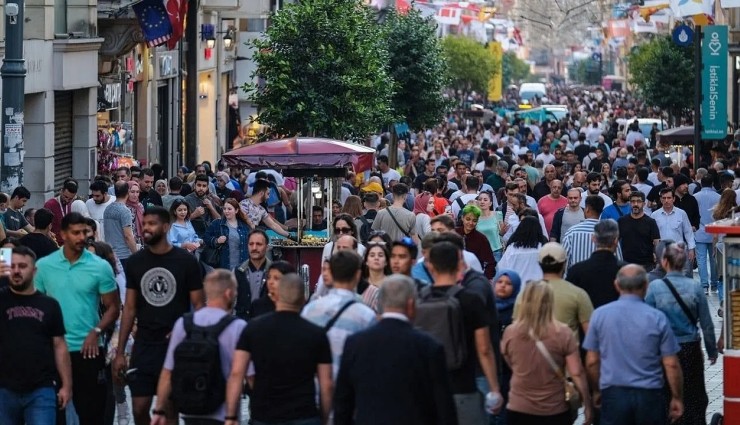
pixel 177 11
pixel 518 37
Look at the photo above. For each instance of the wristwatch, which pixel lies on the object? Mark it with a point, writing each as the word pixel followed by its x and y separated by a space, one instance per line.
pixel 98 330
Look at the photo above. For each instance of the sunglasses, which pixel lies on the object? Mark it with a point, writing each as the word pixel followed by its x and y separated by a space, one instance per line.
pixel 343 230
pixel 375 243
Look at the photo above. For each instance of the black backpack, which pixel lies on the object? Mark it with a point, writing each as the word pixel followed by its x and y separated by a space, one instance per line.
pixel 198 383
pixel 366 228
pixel 442 317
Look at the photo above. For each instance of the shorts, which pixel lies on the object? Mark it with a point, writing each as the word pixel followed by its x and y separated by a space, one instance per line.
pixel 147 358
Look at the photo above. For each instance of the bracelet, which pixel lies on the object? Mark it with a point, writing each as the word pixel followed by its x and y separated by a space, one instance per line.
pixel 158 412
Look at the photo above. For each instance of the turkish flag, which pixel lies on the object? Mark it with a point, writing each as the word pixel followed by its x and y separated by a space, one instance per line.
pixel 177 11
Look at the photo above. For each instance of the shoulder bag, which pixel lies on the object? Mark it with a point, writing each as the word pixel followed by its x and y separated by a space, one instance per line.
pixel 212 256
pixel 572 396
pixel 680 301
pixel 406 233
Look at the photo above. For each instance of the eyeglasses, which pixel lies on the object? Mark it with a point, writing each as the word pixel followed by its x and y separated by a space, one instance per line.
pixel 375 233
pixel 343 230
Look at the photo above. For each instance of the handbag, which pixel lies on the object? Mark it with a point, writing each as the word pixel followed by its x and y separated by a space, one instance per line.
pixel 572 396
pixel 212 256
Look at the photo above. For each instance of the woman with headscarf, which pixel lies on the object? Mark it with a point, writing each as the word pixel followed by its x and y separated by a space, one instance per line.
pixel 137 210
pixel 424 210
pixel 506 286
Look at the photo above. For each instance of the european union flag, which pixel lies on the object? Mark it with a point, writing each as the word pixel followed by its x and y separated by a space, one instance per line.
pixel 154 21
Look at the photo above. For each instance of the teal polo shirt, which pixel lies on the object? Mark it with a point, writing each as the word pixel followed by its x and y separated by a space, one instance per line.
pixel 77 287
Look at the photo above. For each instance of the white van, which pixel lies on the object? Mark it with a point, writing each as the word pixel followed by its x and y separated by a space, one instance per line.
pixel 529 90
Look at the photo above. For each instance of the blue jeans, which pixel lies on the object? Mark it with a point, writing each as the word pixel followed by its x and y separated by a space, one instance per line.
pixel 309 421
pixel 34 407
pixel 705 250
pixel 633 406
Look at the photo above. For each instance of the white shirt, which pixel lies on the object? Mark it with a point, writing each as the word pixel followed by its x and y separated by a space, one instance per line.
pixel 389 175
pixel 546 158
pixel 675 225
pixel 96 213
pixel 513 222
pixel 524 260
pixel 464 199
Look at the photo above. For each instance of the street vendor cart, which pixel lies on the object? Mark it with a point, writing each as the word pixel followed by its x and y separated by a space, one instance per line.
pixel 730 267
pixel 316 163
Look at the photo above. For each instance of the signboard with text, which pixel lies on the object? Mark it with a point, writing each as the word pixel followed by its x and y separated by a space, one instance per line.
pixel 714 82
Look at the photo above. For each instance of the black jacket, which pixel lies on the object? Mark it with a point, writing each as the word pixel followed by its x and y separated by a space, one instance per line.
pixel 407 385
pixel 596 276
pixel 689 204
pixel 244 297
pixel 557 225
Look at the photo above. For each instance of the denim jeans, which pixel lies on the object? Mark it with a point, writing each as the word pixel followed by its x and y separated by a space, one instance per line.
pixel 34 407
pixel 308 421
pixel 633 406
pixel 705 251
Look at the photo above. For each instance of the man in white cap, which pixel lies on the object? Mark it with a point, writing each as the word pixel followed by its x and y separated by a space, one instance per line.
pixel 572 304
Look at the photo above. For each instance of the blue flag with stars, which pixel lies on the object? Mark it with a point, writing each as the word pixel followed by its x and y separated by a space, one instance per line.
pixel 154 21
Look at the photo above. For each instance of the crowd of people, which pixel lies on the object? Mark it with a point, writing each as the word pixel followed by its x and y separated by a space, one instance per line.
pixel 498 273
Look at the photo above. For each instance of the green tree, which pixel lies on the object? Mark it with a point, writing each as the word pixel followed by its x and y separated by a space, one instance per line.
pixel 514 69
pixel 585 71
pixel 325 67
pixel 471 64
pixel 663 74
pixel 417 67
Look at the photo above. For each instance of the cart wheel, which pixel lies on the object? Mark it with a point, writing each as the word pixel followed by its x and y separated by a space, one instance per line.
pixel 717 419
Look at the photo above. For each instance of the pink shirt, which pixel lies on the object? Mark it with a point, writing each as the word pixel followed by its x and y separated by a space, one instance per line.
pixel 548 207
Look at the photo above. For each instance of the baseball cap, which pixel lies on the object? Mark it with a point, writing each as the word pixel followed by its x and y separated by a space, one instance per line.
pixel 552 253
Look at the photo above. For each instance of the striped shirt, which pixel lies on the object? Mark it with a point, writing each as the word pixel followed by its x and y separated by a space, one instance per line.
pixel 577 242
pixel 354 319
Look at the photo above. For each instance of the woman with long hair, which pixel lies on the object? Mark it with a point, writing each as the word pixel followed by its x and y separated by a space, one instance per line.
pixel 182 234
pixel 727 201
pixel 133 203
pixel 424 210
pixel 231 234
pixel 536 395
pixel 662 294
pixel 352 206
pixel 490 224
pixel 474 241
pixel 375 267
pixel 522 250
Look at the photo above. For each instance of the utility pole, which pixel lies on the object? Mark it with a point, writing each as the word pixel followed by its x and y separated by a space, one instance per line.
pixel 13 73
pixel 697 95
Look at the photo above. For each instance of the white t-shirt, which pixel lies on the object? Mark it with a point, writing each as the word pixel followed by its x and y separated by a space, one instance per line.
pixel 96 213
pixel 389 175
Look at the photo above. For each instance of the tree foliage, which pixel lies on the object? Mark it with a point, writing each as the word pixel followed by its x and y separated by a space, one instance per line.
pixel 417 67
pixel 585 71
pixel 471 64
pixel 663 73
pixel 325 68
pixel 514 69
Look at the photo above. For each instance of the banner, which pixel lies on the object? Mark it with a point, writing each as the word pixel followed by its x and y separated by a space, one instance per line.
pixel 714 82
pixel 685 8
pixel 495 84
pixel 726 4
pixel 448 16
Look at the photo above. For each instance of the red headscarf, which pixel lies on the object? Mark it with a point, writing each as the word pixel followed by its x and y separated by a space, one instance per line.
pixel 137 209
pixel 421 202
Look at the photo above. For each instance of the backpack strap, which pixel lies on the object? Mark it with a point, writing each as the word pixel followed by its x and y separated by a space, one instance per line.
pixel 188 323
pixel 459 202
pixel 205 332
pixel 364 220
pixel 334 319
pixel 453 290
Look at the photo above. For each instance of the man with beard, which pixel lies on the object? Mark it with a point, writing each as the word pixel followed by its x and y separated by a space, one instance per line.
pixel 593 187
pixel 149 196
pixel 32 347
pixel 252 207
pixel 162 282
pixel 202 206
pixel 61 205
pixel 80 281
pixel 98 202
pixel 251 275
pixel 638 233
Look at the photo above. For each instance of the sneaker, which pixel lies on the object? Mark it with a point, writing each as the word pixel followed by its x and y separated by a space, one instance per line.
pixel 720 313
pixel 122 413
pixel 713 288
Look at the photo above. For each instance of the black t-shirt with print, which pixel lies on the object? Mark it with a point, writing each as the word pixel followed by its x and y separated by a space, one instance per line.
pixel 163 284
pixel 286 350
pixel 28 325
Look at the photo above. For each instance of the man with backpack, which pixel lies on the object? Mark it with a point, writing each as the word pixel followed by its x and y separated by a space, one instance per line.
pixel 201 343
pixel 458 319
pixel 364 223
pixel 288 352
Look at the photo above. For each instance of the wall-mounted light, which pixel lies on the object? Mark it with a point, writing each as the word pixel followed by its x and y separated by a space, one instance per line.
pixel 210 43
pixel 202 91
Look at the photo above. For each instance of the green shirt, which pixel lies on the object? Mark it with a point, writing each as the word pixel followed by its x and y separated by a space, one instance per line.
pixel 77 287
